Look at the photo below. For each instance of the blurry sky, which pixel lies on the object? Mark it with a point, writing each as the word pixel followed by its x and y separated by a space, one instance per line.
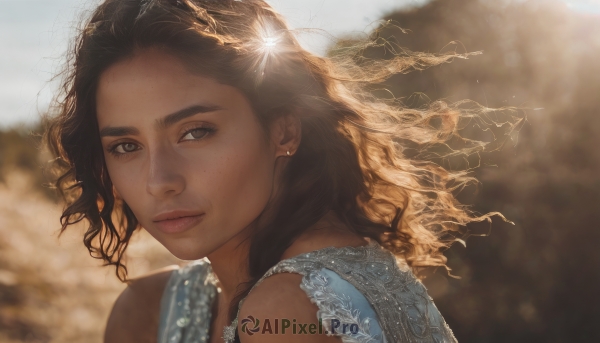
pixel 590 6
pixel 34 36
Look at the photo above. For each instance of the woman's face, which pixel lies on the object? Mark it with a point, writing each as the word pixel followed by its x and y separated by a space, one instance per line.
pixel 182 145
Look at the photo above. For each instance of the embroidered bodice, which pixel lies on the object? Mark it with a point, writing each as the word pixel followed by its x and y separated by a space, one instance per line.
pixel 365 286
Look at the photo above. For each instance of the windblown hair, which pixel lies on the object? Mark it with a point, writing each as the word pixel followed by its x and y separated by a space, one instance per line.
pixel 372 161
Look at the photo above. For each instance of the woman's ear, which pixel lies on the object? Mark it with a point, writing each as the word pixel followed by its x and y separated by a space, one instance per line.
pixel 286 132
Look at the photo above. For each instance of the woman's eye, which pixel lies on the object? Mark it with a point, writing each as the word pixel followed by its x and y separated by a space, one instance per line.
pixel 197 133
pixel 123 148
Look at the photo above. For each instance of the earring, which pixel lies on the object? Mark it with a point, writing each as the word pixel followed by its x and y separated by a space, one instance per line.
pixel 288 153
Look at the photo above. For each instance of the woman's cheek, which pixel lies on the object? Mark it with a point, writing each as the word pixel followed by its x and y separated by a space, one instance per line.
pixel 242 185
pixel 121 180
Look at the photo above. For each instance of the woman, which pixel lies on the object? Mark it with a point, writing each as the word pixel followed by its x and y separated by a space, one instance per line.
pixel 205 123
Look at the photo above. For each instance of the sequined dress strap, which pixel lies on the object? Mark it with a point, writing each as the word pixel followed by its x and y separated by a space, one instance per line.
pixel 186 303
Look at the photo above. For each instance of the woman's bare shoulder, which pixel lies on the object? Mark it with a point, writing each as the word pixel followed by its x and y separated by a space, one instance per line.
pixel 135 314
pixel 280 297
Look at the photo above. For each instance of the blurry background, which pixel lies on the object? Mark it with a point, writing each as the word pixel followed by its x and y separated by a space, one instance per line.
pixel 536 281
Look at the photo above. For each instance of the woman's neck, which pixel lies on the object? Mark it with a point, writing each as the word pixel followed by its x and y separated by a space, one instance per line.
pixel 230 261
pixel 230 264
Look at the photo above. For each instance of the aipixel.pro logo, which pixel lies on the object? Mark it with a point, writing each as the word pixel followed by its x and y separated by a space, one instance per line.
pixel 252 325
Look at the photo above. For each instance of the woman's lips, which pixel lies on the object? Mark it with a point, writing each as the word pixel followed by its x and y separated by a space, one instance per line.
pixel 179 224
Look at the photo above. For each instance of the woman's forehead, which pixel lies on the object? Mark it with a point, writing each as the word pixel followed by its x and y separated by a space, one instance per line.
pixel 146 65
pixel 157 83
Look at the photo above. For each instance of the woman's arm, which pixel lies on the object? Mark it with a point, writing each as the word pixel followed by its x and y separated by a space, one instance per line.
pixel 135 314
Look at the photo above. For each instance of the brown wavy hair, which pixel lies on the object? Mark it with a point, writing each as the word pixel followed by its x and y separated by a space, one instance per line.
pixel 376 163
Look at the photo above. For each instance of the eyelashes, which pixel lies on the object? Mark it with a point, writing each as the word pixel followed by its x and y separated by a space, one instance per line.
pixel 205 132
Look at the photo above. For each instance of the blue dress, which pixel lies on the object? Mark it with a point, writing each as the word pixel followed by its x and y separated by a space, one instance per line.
pixel 364 295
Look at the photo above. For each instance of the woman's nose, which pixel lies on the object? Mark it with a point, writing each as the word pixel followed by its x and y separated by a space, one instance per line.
pixel 165 178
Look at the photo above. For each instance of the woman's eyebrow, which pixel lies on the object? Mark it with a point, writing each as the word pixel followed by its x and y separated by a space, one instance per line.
pixel 172 118
pixel 162 123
